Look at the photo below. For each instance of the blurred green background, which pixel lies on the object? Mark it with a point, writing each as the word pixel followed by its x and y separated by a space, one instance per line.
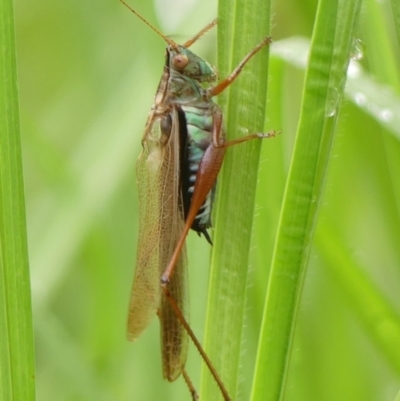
pixel 88 72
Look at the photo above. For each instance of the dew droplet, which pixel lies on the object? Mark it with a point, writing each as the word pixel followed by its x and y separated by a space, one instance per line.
pixel 357 49
pixel 360 98
pixel 332 103
pixel 354 69
pixel 386 115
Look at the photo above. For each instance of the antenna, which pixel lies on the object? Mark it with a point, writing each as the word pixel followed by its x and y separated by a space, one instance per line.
pixel 201 33
pixel 168 40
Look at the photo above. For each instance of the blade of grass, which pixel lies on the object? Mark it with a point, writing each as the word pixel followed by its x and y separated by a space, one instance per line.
pixel 242 25
pixel 324 85
pixel 16 345
pixel 379 317
pixel 384 65
pixel 396 17
pixel 374 98
pixel 379 44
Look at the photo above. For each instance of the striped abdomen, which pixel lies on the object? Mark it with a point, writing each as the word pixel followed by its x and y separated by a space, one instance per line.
pixel 195 126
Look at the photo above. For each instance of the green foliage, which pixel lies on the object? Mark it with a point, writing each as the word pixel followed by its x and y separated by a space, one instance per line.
pixel 244 112
pixel 87 74
pixel 323 89
pixel 16 331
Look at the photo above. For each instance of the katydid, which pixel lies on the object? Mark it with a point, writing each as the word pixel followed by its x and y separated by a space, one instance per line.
pixel 183 148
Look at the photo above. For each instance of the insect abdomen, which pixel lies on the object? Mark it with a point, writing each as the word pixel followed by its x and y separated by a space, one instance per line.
pixel 195 125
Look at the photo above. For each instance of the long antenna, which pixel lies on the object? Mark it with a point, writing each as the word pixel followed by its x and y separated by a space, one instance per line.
pixel 168 40
pixel 201 33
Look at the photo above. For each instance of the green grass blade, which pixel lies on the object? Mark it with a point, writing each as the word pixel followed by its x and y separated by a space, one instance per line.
pixel 375 311
pixel 370 303
pixel 324 85
pixel 16 344
pixel 242 25
pixel 379 44
pixel 362 88
pixel 396 15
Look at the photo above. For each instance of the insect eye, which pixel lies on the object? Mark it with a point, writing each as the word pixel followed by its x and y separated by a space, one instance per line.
pixel 180 61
